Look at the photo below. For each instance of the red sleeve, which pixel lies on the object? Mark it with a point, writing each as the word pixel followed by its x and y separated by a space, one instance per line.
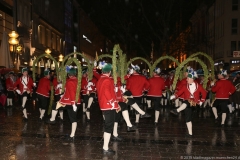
pixel 72 95
pixel 146 85
pixel 95 74
pixel 203 93
pixel 16 84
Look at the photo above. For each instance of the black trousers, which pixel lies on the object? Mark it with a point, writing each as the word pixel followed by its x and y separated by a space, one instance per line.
pixel 109 120
pixel 156 102
pixel 10 94
pixel 188 112
pixel 221 105
pixel 71 113
pixel 43 102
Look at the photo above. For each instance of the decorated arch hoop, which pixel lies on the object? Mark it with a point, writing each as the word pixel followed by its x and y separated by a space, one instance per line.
pixel 136 58
pixel 160 59
pixel 90 65
pixel 38 58
pixel 210 61
pixel 177 73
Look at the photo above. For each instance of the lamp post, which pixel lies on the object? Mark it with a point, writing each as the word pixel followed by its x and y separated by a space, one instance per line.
pixel 48 51
pixel 13 41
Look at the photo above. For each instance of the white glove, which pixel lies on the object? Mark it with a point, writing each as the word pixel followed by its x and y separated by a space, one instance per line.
pixel 95 63
pixel 212 83
pixel 131 71
pixel 34 84
pixel 18 91
pixel 61 96
pixel 200 104
pixel 116 89
pixel 112 104
pixel 123 88
pixel 74 107
pixel 172 97
pixel 59 85
pixel 89 84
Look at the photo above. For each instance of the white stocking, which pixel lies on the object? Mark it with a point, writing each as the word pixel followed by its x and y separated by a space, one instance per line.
pixel 24 99
pixel 115 133
pixel 25 113
pixel 136 107
pixel 126 118
pixel 223 117
pixel 189 126
pixel 156 116
pixel 137 118
pixel 182 107
pixel 214 109
pixel 106 139
pixel 61 114
pixel 54 113
pixel 74 127
pixel 42 113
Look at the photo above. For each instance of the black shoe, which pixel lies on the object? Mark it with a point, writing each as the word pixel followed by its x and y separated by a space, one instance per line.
pixel 22 108
pixel 117 138
pixel 146 115
pixel 155 124
pixel 131 129
pixel 70 139
pixel 25 119
pixel 136 124
pixel 51 122
pixel 61 120
pixel 88 120
pixel 174 111
pixel 222 125
pixel 109 151
pixel 188 135
pixel 216 120
pixel 40 119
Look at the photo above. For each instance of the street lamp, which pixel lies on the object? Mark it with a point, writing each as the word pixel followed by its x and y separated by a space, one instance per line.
pixel 60 58
pixel 14 42
pixel 48 51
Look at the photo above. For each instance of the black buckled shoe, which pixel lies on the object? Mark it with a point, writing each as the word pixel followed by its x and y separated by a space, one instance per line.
pixel 117 138
pixel 109 151
pixel 146 115
pixel 188 135
pixel 131 129
pixel 50 122
pixel 174 111
pixel 216 120
pixel 25 119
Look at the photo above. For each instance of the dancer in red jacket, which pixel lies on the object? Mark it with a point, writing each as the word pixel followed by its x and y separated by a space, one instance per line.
pixel 137 84
pixel 193 94
pixel 43 93
pixel 10 89
pixel 108 104
pixel 23 86
pixel 223 89
pixel 68 100
pixel 157 85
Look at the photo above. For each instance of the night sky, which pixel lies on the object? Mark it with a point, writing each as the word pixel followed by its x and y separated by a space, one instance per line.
pixel 137 23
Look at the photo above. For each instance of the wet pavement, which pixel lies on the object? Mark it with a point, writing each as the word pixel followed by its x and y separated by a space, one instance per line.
pixel 38 140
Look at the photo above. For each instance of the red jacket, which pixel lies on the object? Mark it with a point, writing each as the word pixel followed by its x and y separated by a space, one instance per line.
pixel 223 88
pixel 181 84
pixel 44 87
pixel 169 81
pixel 157 85
pixel 19 84
pixel 199 91
pixel 69 95
pixel 84 84
pixel 106 94
pixel 10 84
pixel 96 74
pixel 55 83
pixel 137 83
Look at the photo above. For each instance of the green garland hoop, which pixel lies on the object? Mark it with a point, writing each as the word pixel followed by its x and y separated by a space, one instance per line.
pixel 90 65
pixel 177 73
pixel 210 61
pixel 136 58
pixel 38 58
pixel 160 59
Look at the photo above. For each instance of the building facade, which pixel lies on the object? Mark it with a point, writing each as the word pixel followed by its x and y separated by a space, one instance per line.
pixel 224 33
